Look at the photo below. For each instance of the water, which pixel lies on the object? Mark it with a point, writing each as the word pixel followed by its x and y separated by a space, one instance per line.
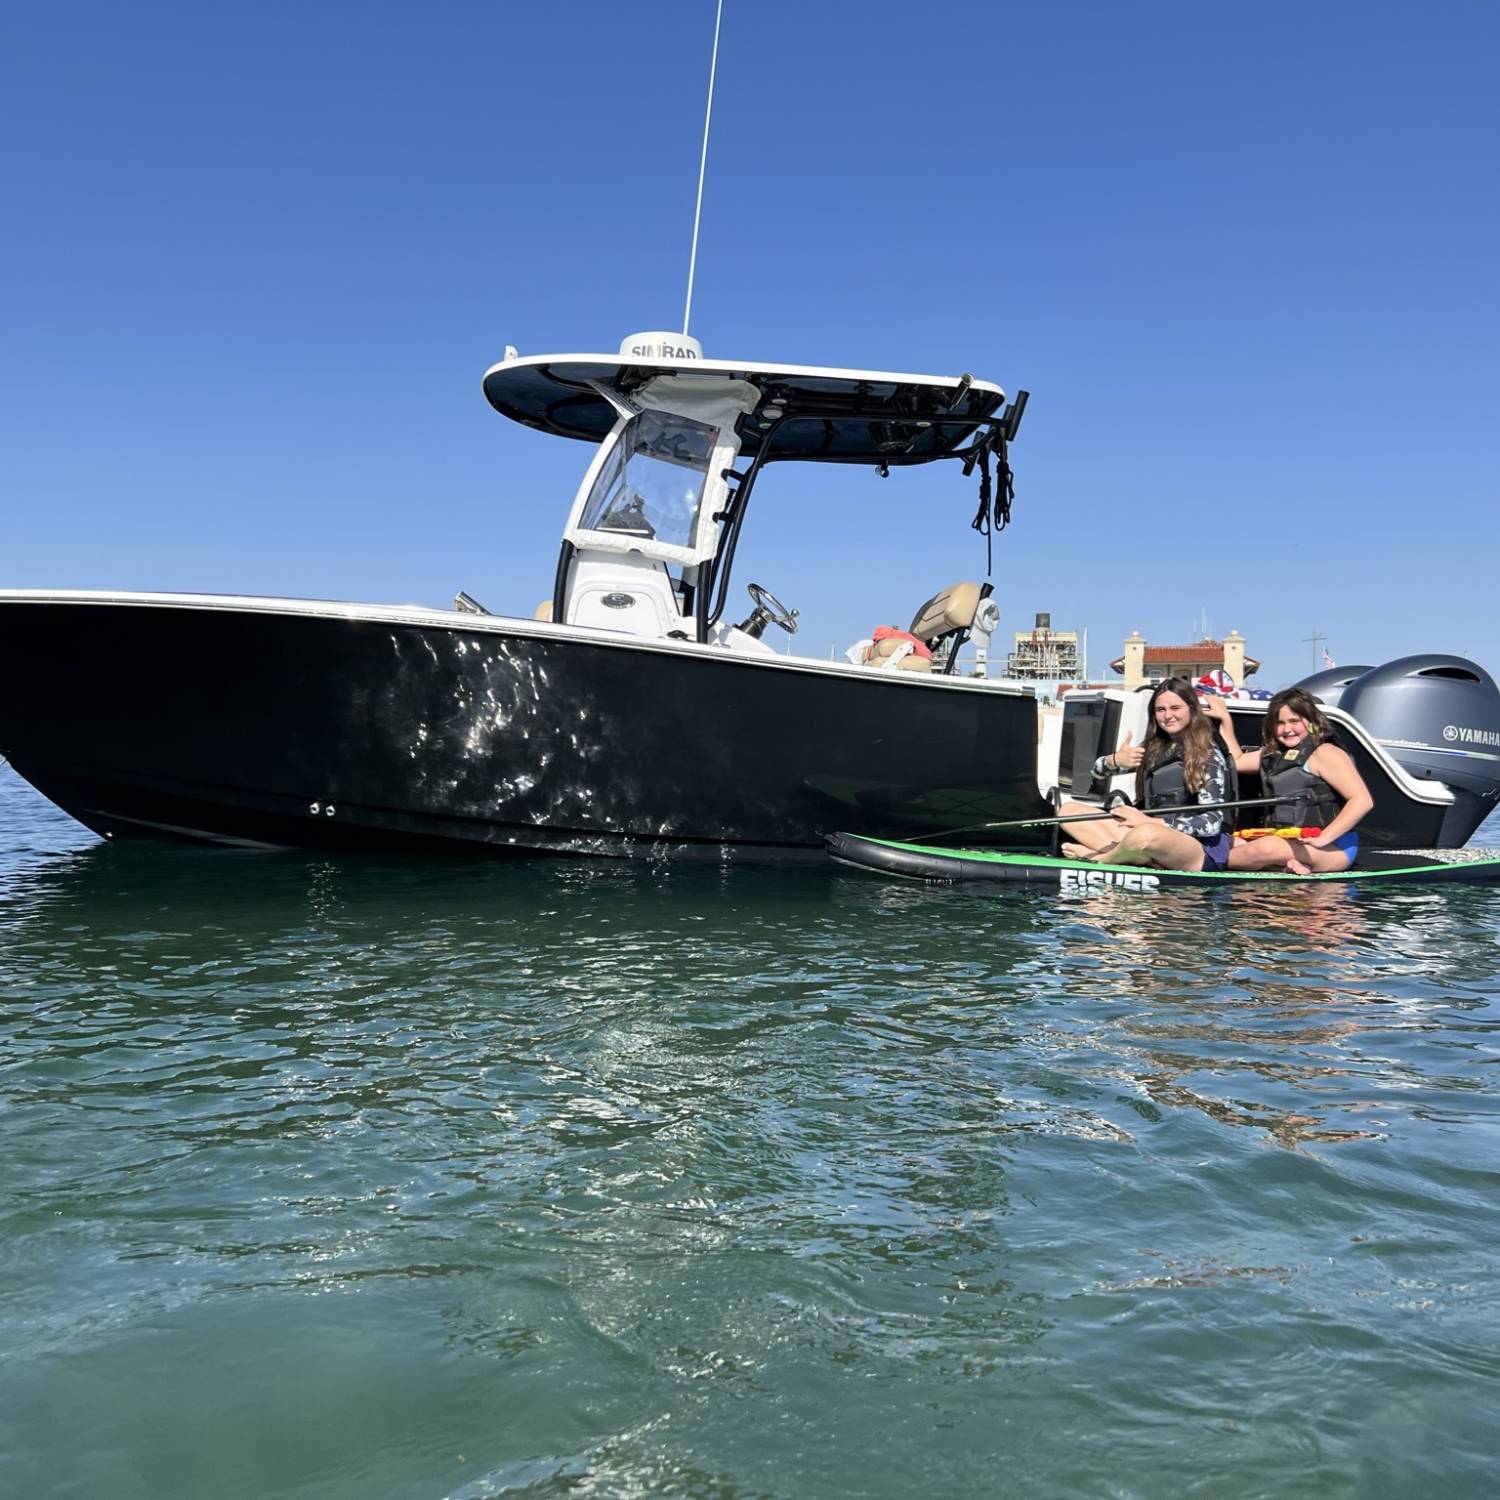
pixel 355 1178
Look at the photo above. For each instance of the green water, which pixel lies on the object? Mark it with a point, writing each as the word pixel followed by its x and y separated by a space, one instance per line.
pixel 354 1178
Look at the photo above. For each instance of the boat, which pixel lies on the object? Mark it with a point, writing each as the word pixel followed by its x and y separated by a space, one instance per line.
pixel 631 713
pixel 990 867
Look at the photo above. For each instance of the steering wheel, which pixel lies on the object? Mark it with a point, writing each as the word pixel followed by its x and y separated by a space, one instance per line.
pixel 772 610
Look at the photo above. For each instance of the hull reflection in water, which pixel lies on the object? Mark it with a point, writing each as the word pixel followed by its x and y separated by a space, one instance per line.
pixel 321 725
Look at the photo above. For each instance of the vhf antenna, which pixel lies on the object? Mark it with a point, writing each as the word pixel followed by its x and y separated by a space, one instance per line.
pixel 708 115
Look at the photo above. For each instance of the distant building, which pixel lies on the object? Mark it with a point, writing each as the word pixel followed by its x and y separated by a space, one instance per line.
pixel 1143 663
pixel 1043 654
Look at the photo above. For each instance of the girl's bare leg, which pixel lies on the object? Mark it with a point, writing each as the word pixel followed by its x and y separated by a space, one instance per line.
pixel 1270 853
pixel 1156 844
pixel 1306 860
pixel 1091 839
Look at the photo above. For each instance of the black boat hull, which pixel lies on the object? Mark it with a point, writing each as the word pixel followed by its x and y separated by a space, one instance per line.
pixel 348 727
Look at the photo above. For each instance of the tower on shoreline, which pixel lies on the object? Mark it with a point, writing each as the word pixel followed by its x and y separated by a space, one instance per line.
pixel 1043 654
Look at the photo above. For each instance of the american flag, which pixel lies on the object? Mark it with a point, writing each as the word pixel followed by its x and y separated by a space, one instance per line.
pixel 1328 661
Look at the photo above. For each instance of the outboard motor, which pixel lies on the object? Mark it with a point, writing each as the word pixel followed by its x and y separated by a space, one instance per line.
pixel 1439 717
pixel 1328 686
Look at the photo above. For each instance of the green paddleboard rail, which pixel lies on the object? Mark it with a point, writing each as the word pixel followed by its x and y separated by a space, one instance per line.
pixel 962 866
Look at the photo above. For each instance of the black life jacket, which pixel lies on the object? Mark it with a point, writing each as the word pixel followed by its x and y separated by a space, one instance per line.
pixel 1166 785
pixel 1232 779
pixel 1305 800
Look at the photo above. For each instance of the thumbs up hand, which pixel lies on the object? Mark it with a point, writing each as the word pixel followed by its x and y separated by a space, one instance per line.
pixel 1127 756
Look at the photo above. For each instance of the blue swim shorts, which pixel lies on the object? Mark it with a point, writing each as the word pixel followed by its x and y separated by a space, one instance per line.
pixel 1216 851
pixel 1347 843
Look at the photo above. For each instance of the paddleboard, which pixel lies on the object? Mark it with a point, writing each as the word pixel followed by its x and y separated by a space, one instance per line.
pixel 985 866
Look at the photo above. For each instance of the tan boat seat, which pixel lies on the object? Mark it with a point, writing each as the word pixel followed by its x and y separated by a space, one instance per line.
pixel 942 624
pixel 947 620
pixel 952 609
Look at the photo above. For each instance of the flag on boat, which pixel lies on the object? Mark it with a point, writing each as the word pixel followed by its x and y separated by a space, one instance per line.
pixel 1328 661
pixel 1217 681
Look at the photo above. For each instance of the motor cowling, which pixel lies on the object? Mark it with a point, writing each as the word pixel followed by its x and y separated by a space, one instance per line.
pixel 1329 686
pixel 1439 717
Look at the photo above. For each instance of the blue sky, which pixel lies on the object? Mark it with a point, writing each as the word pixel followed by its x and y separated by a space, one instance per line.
pixel 1244 258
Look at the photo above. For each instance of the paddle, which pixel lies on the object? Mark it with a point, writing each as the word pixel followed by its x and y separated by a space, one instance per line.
pixel 1094 817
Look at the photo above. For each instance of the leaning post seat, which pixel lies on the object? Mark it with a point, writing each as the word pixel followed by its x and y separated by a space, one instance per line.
pixel 948 617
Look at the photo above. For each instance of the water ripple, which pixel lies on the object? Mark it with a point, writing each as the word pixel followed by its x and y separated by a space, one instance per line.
pixel 335 1178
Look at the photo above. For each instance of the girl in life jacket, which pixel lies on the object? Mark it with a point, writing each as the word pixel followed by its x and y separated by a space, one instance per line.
pixel 1180 765
pixel 1318 787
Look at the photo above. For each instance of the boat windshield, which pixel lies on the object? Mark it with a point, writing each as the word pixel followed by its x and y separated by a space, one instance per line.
pixel 652 482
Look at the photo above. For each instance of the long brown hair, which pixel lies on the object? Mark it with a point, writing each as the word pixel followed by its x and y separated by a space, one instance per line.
pixel 1196 741
pixel 1301 703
